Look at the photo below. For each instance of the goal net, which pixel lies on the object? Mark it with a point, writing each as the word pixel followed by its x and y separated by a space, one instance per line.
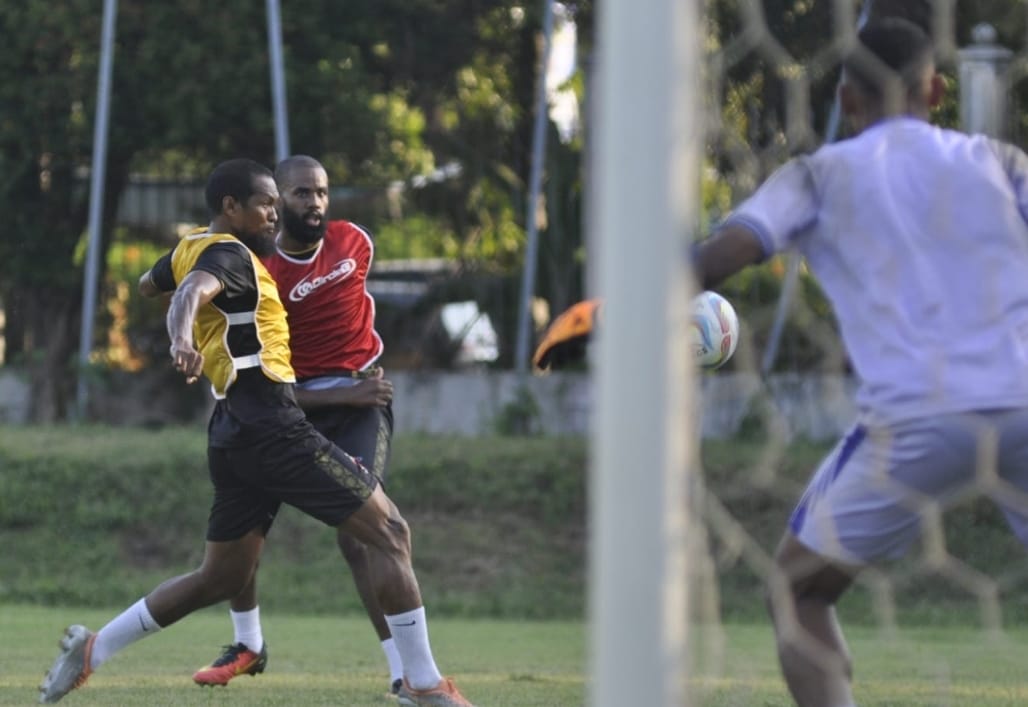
pixel 694 474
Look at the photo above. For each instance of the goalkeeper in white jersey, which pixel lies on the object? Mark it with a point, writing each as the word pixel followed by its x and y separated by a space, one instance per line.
pixel 918 237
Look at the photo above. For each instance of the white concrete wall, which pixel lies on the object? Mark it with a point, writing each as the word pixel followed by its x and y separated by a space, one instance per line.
pixel 472 403
pixel 14 397
pixel 815 407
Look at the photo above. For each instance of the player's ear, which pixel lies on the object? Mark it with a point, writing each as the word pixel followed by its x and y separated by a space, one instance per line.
pixel 229 204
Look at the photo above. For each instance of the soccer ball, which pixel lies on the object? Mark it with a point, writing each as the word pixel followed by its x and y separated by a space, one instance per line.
pixel 715 330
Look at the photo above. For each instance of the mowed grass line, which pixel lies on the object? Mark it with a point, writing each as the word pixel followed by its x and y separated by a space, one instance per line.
pixel 324 660
pixel 314 660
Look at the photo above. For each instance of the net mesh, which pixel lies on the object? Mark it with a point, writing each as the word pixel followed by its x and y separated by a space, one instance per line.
pixel 771 73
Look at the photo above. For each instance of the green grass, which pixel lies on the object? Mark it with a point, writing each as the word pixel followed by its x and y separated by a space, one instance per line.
pixel 96 517
pixel 497 524
pixel 921 667
pixel 313 661
pixel 336 661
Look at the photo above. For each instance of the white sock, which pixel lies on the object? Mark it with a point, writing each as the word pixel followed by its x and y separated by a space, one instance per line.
pixel 393 657
pixel 247 625
pixel 410 633
pixel 127 627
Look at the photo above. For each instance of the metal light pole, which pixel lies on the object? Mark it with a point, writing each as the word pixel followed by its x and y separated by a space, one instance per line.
pixel 278 81
pixel 97 176
pixel 793 260
pixel 535 179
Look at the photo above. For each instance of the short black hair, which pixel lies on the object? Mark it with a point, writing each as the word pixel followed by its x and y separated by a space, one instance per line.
pixel 889 43
pixel 920 12
pixel 286 166
pixel 233 178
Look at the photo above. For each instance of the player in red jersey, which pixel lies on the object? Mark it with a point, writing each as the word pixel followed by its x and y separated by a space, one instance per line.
pixel 321 270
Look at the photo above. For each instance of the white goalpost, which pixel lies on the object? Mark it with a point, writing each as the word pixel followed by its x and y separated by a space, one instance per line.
pixel 643 200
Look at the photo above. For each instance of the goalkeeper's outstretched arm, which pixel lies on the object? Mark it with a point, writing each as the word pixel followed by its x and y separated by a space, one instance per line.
pixel 730 249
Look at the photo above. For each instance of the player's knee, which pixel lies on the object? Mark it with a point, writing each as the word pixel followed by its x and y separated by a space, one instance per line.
pixel 399 531
pixel 784 592
pixel 354 551
pixel 395 535
pixel 380 527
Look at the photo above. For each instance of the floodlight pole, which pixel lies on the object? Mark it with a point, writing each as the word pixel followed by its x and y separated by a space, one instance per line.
pixel 534 187
pixel 97 178
pixel 278 81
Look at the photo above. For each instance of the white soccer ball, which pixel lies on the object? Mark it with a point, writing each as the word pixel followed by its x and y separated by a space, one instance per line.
pixel 715 330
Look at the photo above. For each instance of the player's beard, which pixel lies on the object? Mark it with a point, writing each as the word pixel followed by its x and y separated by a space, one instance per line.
pixel 259 243
pixel 301 231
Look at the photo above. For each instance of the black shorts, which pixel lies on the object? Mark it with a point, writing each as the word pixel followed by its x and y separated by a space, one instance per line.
pixel 365 433
pixel 288 462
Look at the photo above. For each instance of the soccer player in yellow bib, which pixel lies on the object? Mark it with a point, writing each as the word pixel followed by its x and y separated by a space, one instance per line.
pixel 321 268
pixel 226 322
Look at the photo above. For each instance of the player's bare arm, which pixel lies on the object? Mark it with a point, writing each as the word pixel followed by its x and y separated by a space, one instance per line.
pixel 729 250
pixel 197 289
pixel 367 393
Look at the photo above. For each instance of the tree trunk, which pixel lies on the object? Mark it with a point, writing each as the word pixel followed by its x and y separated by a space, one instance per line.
pixel 51 338
pixel 14 325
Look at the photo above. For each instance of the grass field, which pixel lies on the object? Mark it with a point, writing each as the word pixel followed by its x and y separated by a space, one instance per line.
pixel 312 661
pixel 500 556
pixel 335 661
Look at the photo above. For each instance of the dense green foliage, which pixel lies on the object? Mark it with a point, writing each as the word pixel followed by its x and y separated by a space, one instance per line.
pixel 385 93
pixel 497 524
pixel 423 108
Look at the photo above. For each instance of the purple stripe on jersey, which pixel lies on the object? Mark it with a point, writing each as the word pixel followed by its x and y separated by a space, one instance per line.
pixel 767 244
pixel 853 441
pixel 820 485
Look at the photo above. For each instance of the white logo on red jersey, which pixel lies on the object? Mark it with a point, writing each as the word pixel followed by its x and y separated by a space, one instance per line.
pixel 342 269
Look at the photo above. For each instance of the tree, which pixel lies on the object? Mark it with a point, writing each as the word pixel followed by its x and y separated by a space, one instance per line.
pixel 189 77
pixel 45 136
pixel 380 90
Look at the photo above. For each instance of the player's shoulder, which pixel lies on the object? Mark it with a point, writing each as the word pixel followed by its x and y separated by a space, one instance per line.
pixel 349 235
pixel 341 228
pixel 882 140
pixel 975 150
pixel 214 245
pixel 1013 159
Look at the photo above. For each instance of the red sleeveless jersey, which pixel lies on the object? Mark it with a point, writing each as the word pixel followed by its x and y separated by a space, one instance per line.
pixel 331 314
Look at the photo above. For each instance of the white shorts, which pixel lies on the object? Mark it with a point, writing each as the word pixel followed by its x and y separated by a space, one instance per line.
pixel 881 486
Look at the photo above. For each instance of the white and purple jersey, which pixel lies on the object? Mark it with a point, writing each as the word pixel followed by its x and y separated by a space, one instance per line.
pixel 918 237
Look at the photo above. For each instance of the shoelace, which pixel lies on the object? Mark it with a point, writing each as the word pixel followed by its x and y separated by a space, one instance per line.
pixel 230 654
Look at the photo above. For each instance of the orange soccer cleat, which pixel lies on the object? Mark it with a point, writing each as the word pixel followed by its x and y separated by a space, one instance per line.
pixel 445 694
pixel 235 661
